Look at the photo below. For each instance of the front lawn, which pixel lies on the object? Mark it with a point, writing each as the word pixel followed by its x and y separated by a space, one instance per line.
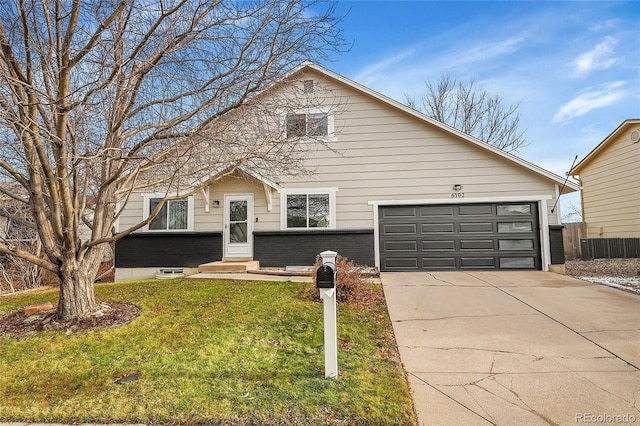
pixel 206 352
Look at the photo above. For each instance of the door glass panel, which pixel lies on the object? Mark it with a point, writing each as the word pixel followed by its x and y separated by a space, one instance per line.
pixel 513 209
pixel 238 211
pixel 238 232
pixel 507 227
pixel 515 244
pixel 238 221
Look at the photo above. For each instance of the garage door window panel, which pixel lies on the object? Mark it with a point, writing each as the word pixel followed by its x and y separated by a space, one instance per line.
pixel 515 244
pixel 513 209
pixel 517 262
pixel 514 227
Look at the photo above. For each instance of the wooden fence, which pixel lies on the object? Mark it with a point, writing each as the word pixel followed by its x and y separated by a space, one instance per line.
pixel 571 235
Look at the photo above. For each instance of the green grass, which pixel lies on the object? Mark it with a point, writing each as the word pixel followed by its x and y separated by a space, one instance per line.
pixel 207 352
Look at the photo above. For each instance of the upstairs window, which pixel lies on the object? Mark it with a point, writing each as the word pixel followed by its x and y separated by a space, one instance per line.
pixel 309 124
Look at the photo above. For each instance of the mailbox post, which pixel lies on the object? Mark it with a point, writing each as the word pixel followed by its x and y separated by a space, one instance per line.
pixel 326 283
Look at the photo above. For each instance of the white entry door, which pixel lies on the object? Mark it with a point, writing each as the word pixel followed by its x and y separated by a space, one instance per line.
pixel 238 226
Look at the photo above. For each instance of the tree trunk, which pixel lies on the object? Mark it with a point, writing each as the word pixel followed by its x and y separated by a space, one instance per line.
pixel 77 298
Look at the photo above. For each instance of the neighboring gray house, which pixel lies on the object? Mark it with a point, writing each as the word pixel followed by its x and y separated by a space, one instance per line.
pixel 393 188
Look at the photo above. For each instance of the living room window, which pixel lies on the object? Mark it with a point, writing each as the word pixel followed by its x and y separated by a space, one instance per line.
pixel 175 215
pixel 313 124
pixel 308 209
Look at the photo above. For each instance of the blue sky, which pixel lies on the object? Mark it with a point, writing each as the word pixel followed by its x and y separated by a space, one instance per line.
pixel 573 66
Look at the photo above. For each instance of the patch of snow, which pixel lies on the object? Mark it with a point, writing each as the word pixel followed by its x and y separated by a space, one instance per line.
pixel 631 284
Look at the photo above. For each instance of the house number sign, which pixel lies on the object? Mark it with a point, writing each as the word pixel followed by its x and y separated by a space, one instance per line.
pixel 457 195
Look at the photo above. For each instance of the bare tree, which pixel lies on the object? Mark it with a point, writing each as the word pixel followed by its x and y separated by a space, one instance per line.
pixel 472 111
pixel 99 99
pixel 572 213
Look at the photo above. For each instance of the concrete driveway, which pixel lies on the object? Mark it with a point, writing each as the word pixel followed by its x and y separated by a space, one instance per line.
pixel 516 348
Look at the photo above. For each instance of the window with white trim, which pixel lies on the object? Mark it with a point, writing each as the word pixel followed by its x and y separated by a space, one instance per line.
pixel 175 215
pixel 312 124
pixel 308 209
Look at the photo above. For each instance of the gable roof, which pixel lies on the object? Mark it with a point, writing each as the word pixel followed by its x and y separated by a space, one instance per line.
pixel 604 144
pixel 568 186
pixel 225 169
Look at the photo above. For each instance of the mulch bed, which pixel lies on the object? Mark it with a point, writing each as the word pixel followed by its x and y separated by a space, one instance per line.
pixel 110 315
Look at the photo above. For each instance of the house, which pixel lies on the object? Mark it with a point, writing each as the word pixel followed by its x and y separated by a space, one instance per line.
pixel 609 177
pixel 391 188
pixel 13 217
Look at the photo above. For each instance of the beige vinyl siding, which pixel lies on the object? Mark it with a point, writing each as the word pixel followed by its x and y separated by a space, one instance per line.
pixel 131 213
pixel 379 153
pixel 385 154
pixel 236 184
pixel 611 190
pixel 212 221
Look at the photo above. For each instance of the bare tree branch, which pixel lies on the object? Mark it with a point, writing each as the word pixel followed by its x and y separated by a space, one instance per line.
pixel 472 111
pixel 99 100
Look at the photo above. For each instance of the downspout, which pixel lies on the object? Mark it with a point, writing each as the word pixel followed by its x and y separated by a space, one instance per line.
pixel 584 219
pixel 558 213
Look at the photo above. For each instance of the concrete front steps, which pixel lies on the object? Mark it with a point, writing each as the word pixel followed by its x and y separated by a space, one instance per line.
pixel 229 266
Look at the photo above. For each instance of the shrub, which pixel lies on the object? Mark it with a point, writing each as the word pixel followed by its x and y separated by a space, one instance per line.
pixel 351 280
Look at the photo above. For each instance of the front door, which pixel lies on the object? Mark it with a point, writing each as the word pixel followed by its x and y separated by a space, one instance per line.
pixel 238 226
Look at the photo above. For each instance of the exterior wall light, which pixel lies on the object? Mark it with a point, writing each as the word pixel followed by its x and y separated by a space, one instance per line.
pixel 457 187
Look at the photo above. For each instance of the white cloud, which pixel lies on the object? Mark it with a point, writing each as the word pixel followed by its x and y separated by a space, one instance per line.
pixel 606 25
pixel 422 60
pixel 599 58
pixel 589 100
pixel 491 50
pixel 381 69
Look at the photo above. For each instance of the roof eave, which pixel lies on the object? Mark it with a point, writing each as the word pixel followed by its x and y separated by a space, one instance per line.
pixel 602 145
